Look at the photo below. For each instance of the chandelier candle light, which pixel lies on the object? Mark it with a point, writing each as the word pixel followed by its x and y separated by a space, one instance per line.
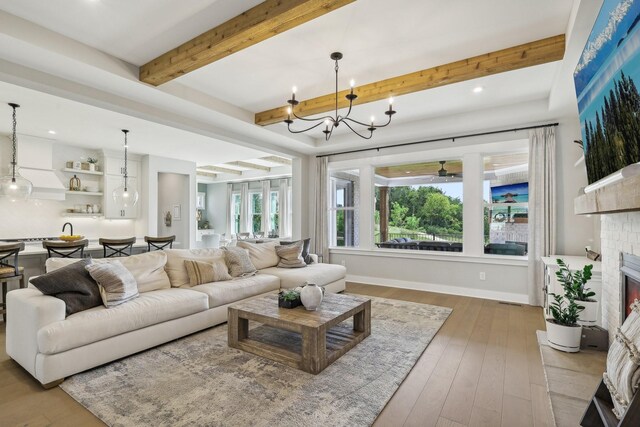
pixel 332 122
pixel 123 196
pixel 13 185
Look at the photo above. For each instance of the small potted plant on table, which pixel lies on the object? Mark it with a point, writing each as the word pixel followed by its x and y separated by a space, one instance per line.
pixel 575 284
pixel 289 299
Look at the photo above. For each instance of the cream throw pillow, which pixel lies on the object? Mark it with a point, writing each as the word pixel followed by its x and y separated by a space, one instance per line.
pixel 176 268
pixel 291 255
pixel 263 255
pixel 206 272
pixel 117 285
pixel 239 263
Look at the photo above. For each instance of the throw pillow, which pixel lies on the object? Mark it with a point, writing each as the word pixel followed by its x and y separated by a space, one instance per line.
pixel 291 255
pixel 306 249
pixel 263 255
pixel 117 284
pixel 72 284
pixel 206 272
pixel 238 262
pixel 176 268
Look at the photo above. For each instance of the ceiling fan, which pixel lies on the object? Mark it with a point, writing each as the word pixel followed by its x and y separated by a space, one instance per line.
pixel 443 172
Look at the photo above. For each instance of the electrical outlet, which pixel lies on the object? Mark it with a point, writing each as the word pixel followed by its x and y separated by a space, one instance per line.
pixel 482 275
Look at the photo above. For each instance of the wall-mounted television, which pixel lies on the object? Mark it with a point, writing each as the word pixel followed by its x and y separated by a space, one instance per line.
pixel 607 81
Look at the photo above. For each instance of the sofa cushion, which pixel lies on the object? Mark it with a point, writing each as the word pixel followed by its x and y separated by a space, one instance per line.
pixel 148 269
pixel 177 271
pixel 206 272
pixel 117 284
pixel 72 284
pixel 262 255
pixel 100 323
pixel 239 262
pixel 306 249
pixel 291 255
pixel 320 274
pixel 221 293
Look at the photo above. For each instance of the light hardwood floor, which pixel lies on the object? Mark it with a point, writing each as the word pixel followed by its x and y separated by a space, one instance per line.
pixel 483 368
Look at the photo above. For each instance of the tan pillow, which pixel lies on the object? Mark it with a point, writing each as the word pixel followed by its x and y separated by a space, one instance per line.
pixel 291 255
pixel 263 255
pixel 238 262
pixel 117 285
pixel 176 269
pixel 148 268
pixel 206 272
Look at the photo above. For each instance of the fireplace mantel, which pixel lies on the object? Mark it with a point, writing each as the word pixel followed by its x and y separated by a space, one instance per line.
pixel 622 196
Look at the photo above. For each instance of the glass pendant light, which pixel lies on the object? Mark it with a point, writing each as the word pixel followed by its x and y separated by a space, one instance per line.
pixel 124 196
pixel 13 185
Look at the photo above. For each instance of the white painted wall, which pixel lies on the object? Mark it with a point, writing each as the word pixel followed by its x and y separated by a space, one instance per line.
pixel 173 189
pixel 217 207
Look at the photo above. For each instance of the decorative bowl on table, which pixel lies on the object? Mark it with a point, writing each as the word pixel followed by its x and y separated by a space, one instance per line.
pixel 71 237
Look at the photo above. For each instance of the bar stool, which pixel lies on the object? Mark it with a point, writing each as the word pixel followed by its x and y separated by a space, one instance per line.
pixel 63 249
pixel 9 270
pixel 118 247
pixel 243 236
pixel 159 243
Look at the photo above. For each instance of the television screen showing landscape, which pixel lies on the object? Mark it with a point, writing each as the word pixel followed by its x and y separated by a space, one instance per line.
pixel 606 79
pixel 512 193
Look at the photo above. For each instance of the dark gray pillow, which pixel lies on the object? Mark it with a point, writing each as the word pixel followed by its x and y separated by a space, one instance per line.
pixel 306 248
pixel 73 285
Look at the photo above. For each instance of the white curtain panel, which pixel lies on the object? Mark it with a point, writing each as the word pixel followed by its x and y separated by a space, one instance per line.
pixel 229 211
pixel 320 236
pixel 245 218
pixel 542 207
pixel 283 199
pixel 266 206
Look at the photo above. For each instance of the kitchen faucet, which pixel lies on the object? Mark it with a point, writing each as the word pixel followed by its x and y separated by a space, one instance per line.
pixel 65 226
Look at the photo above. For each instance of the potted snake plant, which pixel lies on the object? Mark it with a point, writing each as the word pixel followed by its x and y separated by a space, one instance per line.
pixel 575 284
pixel 563 330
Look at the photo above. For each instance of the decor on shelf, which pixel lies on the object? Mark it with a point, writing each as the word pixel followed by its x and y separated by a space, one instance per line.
pixel 563 331
pixel 93 161
pixel 167 218
pixel 75 184
pixel 122 195
pixel 333 122
pixel 289 299
pixel 575 284
pixel 311 296
pixel 14 185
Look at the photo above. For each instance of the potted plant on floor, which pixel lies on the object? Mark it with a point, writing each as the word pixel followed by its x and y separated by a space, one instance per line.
pixel 563 331
pixel 575 284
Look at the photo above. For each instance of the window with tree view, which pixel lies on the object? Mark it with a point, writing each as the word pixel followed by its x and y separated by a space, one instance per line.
pixel 235 203
pixel 255 210
pixel 274 212
pixel 419 206
pixel 343 211
pixel 506 203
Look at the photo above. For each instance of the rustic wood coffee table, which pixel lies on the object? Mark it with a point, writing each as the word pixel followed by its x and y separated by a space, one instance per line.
pixel 321 345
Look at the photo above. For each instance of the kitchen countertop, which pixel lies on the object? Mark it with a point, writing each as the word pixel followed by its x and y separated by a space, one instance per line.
pixel 36 248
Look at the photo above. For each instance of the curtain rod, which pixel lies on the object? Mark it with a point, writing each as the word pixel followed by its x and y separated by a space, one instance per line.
pixel 453 138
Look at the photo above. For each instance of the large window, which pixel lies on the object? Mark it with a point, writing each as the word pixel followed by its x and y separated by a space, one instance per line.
pixel 343 212
pixel 506 198
pixel 255 211
pixel 235 204
pixel 274 212
pixel 419 206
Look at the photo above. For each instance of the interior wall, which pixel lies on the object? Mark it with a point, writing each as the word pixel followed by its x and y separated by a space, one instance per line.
pixel 173 189
pixel 217 207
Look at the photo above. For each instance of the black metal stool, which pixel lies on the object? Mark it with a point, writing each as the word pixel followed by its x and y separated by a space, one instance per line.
pixel 159 243
pixel 62 249
pixel 118 247
pixel 9 270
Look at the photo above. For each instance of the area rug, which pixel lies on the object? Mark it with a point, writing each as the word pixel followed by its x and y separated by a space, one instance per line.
pixel 199 381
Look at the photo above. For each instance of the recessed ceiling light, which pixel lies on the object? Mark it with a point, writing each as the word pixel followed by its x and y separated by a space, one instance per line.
pixel 52 132
pixel 478 89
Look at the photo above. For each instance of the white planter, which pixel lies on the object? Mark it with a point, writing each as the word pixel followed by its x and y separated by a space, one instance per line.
pixel 588 316
pixel 564 338
pixel 92 167
pixel 311 297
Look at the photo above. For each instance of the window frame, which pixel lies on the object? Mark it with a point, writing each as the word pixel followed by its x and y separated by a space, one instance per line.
pixel 333 210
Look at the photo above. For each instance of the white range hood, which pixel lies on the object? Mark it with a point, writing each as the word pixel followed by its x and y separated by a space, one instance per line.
pixel 35 160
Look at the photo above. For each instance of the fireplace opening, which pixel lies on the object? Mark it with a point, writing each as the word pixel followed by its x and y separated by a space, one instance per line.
pixel 629 284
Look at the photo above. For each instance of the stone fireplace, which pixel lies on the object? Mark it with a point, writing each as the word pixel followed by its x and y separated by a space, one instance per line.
pixel 620 246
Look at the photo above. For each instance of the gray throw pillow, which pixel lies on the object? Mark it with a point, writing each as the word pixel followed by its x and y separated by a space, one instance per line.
pixel 72 284
pixel 306 249
pixel 239 263
pixel 117 284
pixel 291 255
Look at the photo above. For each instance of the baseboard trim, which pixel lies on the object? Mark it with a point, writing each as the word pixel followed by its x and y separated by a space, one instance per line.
pixel 441 289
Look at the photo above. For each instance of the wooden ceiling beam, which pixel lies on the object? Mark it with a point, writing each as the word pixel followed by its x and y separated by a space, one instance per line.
pixel 221 170
pixel 513 58
pixel 277 159
pixel 257 24
pixel 248 165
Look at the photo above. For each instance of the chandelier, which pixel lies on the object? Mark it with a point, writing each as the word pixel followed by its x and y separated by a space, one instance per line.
pixel 332 122
pixel 13 185
pixel 123 196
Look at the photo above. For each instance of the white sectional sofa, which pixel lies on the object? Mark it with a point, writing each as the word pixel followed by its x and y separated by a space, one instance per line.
pixel 51 346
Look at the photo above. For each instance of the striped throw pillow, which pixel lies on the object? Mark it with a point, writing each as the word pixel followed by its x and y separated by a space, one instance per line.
pixel 206 272
pixel 117 285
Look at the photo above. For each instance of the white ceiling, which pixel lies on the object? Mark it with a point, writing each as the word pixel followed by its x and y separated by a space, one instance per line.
pixel 379 38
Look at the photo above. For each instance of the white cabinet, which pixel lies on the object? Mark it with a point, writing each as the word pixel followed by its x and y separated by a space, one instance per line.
pixel 112 210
